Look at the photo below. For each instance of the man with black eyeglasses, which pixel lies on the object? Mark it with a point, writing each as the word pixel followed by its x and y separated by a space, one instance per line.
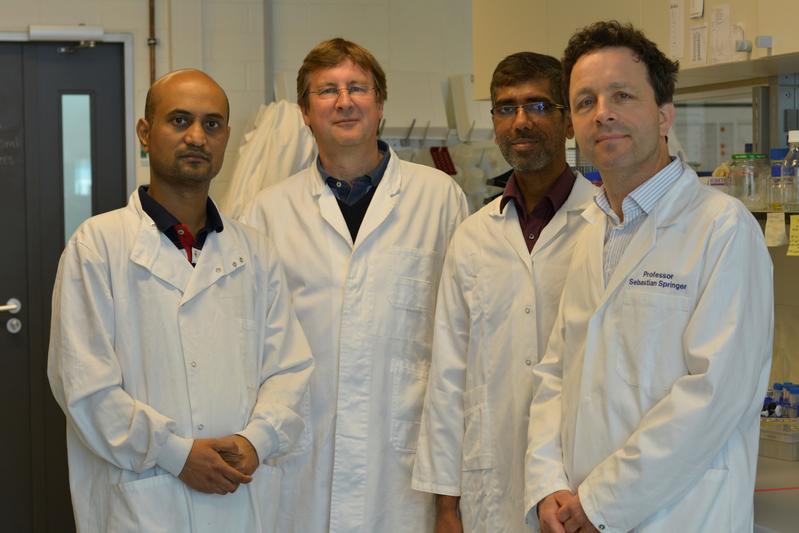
pixel 362 236
pixel 499 296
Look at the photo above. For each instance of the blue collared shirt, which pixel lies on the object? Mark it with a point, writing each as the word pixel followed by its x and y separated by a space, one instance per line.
pixel 636 206
pixel 349 194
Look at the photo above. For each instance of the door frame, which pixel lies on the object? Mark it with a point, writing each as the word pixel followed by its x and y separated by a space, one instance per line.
pixel 131 152
pixel 41 453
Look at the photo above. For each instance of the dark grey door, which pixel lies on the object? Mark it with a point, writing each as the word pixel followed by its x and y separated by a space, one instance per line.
pixel 39 182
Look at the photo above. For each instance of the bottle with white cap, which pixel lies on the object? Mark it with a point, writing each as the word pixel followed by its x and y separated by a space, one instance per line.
pixel 783 190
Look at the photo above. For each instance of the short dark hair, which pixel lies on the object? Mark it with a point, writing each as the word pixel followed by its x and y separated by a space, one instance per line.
pixel 661 71
pixel 331 53
pixel 523 67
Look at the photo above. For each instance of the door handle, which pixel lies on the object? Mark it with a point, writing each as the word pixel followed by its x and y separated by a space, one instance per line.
pixel 13 306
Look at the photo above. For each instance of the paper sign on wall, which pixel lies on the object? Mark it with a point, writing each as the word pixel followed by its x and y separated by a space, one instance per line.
pixel 793 239
pixel 676 29
pixel 699 45
pixel 697 8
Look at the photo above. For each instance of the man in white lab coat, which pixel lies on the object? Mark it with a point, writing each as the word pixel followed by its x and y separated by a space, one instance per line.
pixel 362 237
pixel 498 299
pixel 646 408
pixel 174 351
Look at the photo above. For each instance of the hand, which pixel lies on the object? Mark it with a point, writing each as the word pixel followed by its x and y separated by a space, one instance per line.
pixel 244 459
pixel 206 471
pixel 573 517
pixel 448 517
pixel 548 511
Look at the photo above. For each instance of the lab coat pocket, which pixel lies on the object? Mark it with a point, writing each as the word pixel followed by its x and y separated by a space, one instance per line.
pixel 478 450
pixel 156 504
pixel 650 355
pixel 408 384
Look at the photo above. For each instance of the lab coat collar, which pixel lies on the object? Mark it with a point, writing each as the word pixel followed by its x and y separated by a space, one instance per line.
pixel 666 212
pixel 220 256
pixel 383 201
pixel 578 200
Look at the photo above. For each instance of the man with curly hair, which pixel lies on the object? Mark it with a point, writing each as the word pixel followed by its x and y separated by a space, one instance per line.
pixel 646 409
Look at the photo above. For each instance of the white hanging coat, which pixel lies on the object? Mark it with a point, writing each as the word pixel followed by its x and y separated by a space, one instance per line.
pixel 647 401
pixel 495 310
pixel 367 309
pixel 148 353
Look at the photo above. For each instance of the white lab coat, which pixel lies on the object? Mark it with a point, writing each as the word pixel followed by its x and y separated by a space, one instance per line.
pixel 496 306
pixel 148 353
pixel 647 401
pixel 279 145
pixel 367 309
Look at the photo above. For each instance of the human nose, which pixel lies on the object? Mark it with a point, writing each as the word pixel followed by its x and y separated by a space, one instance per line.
pixel 343 98
pixel 195 134
pixel 521 118
pixel 604 111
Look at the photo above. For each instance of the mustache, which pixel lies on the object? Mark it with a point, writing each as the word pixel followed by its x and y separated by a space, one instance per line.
pixel 527 134
pixel 194 152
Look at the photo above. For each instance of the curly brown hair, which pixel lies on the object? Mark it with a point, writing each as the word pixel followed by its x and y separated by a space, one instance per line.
pixel 661 71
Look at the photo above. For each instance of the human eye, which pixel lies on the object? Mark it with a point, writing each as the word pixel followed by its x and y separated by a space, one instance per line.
pixel 212 124
pixel 540 108
pixel 584 103
pixel 327 92
pixel 358 89
pixel 180 121
pixel 623 96
pixel 505 110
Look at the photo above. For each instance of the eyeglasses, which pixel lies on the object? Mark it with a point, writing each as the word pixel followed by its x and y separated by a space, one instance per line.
pixel 332 93
pixel 539 109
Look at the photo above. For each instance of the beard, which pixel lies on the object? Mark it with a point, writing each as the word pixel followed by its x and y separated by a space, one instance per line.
pixel 186 171
pixel 537 158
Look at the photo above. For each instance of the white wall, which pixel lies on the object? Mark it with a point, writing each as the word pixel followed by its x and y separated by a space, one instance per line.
pixel 416 41
pixel 223 37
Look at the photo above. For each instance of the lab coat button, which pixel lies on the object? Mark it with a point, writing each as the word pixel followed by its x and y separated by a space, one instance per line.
pixel 200 427
pixel 602 527
pixel 218 270
pixel 194 364
pixel 528 362
pixel 527 309
pixel 234 264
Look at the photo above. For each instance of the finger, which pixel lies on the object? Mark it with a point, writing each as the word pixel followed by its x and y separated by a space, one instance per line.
pixel 563 514
pixel 226 445
pixel 232 474
pixel 572 525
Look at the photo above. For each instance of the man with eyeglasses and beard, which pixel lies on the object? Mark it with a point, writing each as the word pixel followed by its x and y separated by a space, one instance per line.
pixel 362 236
pixel 499 296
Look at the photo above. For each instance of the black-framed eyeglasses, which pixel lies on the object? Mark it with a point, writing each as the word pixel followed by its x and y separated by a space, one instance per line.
pixel 539 109
pixel 329 93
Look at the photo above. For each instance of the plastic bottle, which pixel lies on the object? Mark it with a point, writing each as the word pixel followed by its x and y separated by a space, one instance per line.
pixel 782 193
pixel 779 411
pixel 794 410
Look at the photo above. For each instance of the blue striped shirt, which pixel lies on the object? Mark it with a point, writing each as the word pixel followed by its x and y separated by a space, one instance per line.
pixel 635 207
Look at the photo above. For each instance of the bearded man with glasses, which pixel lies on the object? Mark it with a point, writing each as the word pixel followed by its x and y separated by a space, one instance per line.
pixel 498 300
pixel 362 236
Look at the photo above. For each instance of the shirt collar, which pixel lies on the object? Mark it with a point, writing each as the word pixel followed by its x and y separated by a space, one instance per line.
pixel 642 200
pixel 374 175
pixel 164 220
pixel 557 194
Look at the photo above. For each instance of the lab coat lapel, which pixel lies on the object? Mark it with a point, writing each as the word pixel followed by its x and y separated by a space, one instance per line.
pixel 665 213
pixel 383 201
pixel 328 206
pixel 511 231
pixel 156 253
pixel 594 240
pixel 221 256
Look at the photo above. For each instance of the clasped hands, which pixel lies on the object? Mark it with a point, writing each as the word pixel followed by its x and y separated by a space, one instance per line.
pixel 219 466
pixel 562 512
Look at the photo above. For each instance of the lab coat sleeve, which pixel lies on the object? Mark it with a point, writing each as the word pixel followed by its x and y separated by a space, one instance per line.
pixel 440 449
pixel 544 472
pixel 286 366
pixel 86 377
pixel 727 348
